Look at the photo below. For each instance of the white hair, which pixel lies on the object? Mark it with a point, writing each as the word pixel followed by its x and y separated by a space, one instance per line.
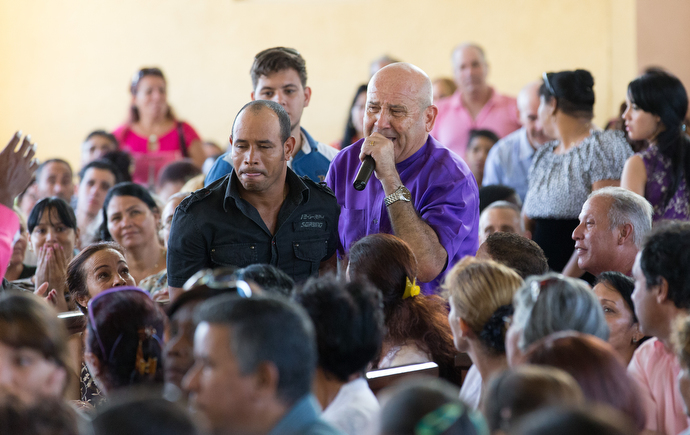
pixel 627 208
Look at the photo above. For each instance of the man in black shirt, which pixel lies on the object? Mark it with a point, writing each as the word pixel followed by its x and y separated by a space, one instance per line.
pixel 261 212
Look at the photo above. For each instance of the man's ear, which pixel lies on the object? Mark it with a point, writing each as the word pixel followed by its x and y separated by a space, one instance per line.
pixel 430 117
pixel 289 147
pixel 266 378
pixel 661 290
pixel 252 95
pixel 625 233
pixel 307 96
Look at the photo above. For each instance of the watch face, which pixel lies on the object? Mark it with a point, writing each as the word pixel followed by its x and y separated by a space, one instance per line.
pixel 406 194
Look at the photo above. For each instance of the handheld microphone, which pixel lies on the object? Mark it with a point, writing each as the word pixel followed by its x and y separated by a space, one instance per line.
pixel 364 173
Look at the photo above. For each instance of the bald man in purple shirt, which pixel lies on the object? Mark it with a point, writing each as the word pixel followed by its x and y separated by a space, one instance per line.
pixel 423 193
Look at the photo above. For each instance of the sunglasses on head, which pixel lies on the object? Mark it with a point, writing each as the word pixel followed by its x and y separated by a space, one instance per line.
pixel 143 73
pixel 222 278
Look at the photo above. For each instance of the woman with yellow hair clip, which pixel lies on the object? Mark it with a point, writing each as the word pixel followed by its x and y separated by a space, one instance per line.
pixel 417 324
pixel 480 293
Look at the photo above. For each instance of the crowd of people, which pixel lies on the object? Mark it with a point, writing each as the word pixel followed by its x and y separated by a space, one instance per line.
pixel 180 288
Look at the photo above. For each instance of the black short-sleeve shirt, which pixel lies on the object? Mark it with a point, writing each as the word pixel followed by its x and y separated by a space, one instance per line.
pixel 215 227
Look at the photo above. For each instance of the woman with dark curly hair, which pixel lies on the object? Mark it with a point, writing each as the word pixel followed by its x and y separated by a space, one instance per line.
pixel 417 324
pixel 480 293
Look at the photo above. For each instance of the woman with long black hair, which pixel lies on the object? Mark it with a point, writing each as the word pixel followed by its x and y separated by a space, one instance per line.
pixel 656 107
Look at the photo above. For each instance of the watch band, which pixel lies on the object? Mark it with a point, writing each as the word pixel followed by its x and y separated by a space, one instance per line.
pixel 400 194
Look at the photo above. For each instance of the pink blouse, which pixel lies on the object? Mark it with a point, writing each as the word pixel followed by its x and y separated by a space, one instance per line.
pixel 9 224
pixel 148 162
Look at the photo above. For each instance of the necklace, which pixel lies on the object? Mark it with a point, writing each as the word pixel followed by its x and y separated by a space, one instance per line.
pixel 162 251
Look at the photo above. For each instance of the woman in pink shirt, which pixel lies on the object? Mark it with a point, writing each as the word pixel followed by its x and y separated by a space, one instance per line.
pixel 152 134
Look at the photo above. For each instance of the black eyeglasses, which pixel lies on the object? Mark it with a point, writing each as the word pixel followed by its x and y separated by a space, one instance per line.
pixel 222 278
pixel 550 88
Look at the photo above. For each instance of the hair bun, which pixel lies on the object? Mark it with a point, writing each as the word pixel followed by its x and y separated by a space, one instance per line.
pixel 575 86
pixel 494 330
pixel 584 78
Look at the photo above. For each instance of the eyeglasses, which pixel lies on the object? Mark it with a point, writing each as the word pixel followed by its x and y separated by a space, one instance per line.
pixel 550 88
pixel 143 73
pixel 222 278
pixel 94 326
pixel 537 286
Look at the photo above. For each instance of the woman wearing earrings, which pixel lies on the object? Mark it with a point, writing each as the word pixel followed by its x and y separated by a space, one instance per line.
pixel 614 291
pixel 152 134
pixel 657 105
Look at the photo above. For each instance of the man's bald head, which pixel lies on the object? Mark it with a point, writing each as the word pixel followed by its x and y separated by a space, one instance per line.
pixel 470 68
pixel 528 106
pixel 400 108
pixel 460 48
pixel 409 78
pixel 529 96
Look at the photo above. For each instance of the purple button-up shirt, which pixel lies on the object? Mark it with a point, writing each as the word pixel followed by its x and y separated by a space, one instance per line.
pixel 444 193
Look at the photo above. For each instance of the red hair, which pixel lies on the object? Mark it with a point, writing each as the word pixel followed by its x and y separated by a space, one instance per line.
pixel 596 367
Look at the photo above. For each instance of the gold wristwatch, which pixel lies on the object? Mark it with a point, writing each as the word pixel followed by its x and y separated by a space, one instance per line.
pixel 400 194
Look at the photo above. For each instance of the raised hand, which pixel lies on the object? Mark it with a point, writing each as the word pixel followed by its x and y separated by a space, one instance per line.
pixel 51 273
pixel 16 168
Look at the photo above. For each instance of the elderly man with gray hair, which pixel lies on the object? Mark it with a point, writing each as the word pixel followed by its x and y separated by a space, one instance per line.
pixel 613 223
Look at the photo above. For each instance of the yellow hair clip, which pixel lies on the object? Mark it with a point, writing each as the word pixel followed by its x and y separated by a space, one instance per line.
pixel 411 288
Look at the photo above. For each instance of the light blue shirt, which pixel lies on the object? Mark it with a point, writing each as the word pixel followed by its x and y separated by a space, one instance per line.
pixel 303 419
pixel 509 161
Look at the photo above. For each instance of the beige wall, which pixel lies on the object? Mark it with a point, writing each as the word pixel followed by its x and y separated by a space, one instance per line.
pixel 67 64
pixel 663 36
